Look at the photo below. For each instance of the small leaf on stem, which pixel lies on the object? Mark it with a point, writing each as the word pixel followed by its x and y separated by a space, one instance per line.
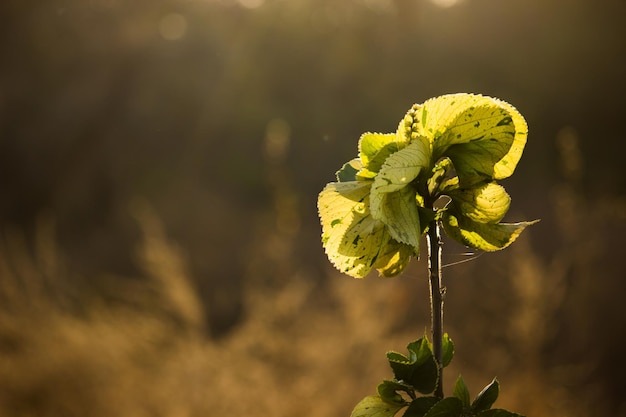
pixel 419 370
pixel 447 350
pixel 389 392
pixel 485 399
pixel 420 406
pixel 461 392
pixel 374 406
pixel 496 412
pixel 448 407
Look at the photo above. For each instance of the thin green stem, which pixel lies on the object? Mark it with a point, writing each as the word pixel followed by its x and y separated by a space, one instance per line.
pixel 437 293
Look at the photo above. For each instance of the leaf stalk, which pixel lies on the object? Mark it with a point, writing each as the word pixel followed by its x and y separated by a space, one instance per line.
pixel 437 295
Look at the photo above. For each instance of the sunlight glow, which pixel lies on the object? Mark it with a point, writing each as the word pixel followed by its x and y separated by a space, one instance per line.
pixel 173 26
pixel 251 4
pixel 445 3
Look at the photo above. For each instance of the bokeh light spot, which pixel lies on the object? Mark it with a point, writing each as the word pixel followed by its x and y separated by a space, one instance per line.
pixel 173 26
pixel 445 3
pixel 251 4
pixel 277 139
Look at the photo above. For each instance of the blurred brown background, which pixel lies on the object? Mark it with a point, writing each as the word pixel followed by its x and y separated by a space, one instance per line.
pixel 159 167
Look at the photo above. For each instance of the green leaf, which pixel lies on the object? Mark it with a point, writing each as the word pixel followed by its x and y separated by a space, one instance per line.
pixel 483 236
pixel 374 406
pixel 426 216
pixel 486 203
pixel 485 399
pixel 400 213
pixel 448 407
pixel 497 412
pixel 393 201
pixel 351 238
pixel 420 351
pixel 349 170
pixel 388 391
pixel 419 369
pixel 447 350
pixel 420 406
pixel 461 392
pixel 374 148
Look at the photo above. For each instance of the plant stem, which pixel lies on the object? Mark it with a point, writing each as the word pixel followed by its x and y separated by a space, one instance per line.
pixel 437 292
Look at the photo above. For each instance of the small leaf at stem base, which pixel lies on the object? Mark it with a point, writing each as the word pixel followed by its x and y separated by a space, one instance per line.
pixel 448 407
pixel 497 412
pixel 420 406
pixel 374 406
pixel 485 399
pixel 461 392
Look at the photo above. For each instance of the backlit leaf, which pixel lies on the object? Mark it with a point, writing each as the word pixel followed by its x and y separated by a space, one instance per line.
pixel 393 201
pixel 394 258
pixel 487 203
pixel 348 171
pixel 374 406
pixel 461 392
pixel 374 148
pixel 483 136
pixel 399 212
pixel 447 350
pixel 485 399
pixel 484 236
pixel 351 237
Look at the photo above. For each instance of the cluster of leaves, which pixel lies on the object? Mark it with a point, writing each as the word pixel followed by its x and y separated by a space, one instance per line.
pixel 455 146
pixel 419 373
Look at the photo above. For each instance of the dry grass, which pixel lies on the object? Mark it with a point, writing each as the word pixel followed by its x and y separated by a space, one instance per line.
pixel 304 350
pixel 140 347
pixel 147 353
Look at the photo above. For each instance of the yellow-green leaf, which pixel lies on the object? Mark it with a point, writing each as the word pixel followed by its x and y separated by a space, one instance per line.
pixel 374 406
pixel 400 169
pixel 410 130
pixel 506 165
pixel 437 115
pixel 487 203
pixel 484 136
pixel 393 201
pixel 398 211
pixel 374 148
pixel 461 392
pixel 351 237
pixel 483 236
pixel 393 258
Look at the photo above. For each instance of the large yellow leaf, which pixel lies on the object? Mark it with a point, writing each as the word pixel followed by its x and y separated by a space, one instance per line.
pixel 351 237
pixel 484 136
